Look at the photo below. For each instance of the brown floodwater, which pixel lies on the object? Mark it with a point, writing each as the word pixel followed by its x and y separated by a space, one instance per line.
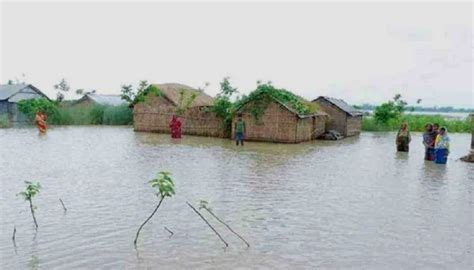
pixel 355 203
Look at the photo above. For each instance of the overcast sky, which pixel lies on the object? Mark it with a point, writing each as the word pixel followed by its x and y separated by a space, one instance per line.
pixel 361 52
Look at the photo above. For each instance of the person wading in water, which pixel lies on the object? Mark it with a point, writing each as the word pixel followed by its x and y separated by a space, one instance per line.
pixel 40 120
pixel 403 138
pixel 239 130
pixel 175 125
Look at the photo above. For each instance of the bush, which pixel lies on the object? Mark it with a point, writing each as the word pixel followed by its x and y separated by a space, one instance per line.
pixel 117 115
pixel 30 107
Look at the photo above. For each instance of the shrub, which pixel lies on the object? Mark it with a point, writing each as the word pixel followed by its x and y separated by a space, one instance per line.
pixel 117 115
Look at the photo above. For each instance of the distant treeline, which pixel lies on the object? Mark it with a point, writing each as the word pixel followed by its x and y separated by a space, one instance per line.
pixel 417 123
pixel 447 109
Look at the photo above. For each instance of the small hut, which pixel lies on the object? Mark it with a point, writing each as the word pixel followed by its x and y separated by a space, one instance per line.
pixel 96 99
pixel 154 111
pixel 343 118
pixel 11 94
pixel 277 115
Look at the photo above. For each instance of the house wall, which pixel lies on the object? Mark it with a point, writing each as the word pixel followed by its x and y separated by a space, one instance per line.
pixel 276 124
pixel 337 118
pixel 354 125
pixel 3 107
pixel 155 113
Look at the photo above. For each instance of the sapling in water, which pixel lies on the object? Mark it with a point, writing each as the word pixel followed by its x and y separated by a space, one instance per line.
pixel 164 187
pixel 28 194
pixel 205 205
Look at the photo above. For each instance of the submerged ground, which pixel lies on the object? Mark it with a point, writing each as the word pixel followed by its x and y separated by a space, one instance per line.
pixel 349 204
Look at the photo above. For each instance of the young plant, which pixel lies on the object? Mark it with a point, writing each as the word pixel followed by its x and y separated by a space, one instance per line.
pixel 205 205
pixel 208 224
pixel 28 194
pixel 164 187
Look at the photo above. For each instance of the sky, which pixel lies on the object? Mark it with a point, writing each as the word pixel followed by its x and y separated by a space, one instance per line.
pixel 361 52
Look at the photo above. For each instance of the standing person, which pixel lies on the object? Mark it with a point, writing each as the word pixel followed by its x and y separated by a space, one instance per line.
pixel 175 125
pixel 403 138
pixel 239 130
pixel 429 137
pixel 40 120
pixel 442 146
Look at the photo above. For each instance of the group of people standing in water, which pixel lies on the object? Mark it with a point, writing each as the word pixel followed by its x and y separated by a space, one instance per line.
pixel 435 140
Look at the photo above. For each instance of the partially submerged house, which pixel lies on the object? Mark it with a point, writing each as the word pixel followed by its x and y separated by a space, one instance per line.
pixel 343 118
pixel 277 115
pixel 153 113
pixel 11 94
pixel 96 99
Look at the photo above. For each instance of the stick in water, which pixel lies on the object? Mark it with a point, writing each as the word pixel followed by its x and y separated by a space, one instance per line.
pixel 225 224
pixel 168 230
pixel 210 226
pixel 14 234
pixel 62 203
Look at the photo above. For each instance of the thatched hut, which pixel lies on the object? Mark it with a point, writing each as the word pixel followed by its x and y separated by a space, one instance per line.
pixel 154 112
pixel 277 115
pixel 343 118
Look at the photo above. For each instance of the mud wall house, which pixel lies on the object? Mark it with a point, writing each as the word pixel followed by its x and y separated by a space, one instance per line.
pixel 279 122
pixel 96 99
pixel 11 94
pixel 343 118
pixel 155 112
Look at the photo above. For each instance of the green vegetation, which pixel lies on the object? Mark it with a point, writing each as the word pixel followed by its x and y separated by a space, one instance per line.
pixel 390 115
pixel 263 95
pixel 134 96
pixel 185 100
pixel 223 105
pixel 28 194
pixel 417 108
pixel 417 123
pixel 30 107
pixel 389 111
pixel 66 113
pixel 163 187
pixel 4 122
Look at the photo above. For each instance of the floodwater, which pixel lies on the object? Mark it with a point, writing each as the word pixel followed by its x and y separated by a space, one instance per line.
pixel 355 203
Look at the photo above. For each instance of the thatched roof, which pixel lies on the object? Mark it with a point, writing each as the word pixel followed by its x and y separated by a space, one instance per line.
pixel 171 91
pixel 341 104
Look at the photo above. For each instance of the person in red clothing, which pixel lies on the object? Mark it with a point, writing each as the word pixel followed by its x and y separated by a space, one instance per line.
pixel 175 125
pixel 40 119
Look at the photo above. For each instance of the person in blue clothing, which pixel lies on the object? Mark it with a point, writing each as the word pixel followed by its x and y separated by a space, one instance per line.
pixel 239 130
pixel 442 146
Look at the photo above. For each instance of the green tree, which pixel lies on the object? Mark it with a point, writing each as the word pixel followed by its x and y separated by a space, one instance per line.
pixel 131 95
pixel 391 110
pixel 223 104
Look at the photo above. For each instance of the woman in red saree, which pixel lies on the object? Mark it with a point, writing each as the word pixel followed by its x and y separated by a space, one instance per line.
pixel 40 120
pixel 175 125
